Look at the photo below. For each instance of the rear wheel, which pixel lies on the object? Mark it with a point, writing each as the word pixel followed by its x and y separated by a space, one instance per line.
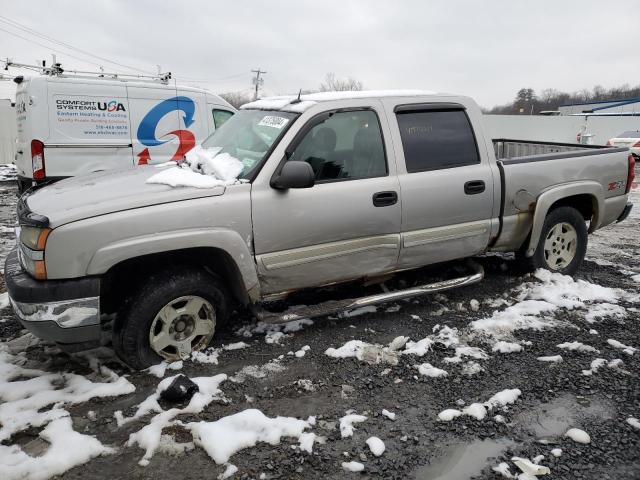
pixel 562 244
pixel 171 316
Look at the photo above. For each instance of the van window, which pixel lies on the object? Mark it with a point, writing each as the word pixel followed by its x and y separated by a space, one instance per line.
pixel 433 140
pixel 346 146
pixel 220 116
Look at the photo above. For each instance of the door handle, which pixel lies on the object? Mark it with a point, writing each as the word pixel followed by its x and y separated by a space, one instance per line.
pixel 474 187
pixel 384 199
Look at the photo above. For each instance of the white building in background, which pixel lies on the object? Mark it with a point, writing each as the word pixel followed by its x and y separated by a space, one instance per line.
pixel 8 131
pixel 627 106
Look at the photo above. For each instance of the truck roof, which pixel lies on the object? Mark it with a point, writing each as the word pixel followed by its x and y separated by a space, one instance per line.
pixel 288 103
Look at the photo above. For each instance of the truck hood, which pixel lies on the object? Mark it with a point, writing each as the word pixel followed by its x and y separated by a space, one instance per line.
pixel 108 192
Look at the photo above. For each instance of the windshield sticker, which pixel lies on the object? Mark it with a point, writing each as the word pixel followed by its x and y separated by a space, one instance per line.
pixel 273 121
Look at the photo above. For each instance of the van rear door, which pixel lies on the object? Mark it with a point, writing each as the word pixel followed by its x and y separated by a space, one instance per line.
pixel 89 128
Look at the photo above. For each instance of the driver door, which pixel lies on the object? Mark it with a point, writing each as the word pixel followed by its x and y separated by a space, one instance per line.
pixel 342 228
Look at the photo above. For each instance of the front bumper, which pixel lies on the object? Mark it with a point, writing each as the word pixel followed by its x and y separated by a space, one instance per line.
pixel 63 311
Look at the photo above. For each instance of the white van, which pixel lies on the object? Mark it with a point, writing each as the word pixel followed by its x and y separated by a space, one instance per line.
pixel 70 126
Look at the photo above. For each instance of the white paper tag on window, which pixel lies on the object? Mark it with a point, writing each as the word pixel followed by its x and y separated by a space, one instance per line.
pixel 273 121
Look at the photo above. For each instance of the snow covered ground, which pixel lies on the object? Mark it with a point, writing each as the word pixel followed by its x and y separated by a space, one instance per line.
pixel 513 376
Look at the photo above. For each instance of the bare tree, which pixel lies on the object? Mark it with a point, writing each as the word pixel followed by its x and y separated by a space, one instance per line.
pixel 333 84
pixel 551 99
pixel 237 98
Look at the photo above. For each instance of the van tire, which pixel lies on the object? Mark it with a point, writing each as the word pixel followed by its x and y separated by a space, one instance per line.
pixel 562 244
pixel 132 326
pixel 23 186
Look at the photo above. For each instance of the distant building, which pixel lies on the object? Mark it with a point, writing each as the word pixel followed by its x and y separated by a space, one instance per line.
pixel 629 105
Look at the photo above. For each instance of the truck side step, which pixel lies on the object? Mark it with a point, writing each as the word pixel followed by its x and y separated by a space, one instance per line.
pixel 334 306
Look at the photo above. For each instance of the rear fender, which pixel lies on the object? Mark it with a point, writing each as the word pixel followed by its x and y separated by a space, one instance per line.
pixel 546 200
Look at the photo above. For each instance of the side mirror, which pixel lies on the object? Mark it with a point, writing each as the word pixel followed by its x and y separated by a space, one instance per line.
pixel 294 174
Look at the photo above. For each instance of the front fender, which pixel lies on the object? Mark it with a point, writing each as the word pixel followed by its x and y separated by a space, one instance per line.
pixel 223 239
pixel 547 198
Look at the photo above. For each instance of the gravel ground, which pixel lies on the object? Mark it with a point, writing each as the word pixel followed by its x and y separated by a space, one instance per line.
pixel 554 396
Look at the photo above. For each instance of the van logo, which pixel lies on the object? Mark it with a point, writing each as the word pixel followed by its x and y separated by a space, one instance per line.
pixel 111 106
pixel 147 128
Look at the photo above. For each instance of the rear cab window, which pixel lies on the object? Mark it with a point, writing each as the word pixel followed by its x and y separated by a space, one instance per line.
pixel 435 139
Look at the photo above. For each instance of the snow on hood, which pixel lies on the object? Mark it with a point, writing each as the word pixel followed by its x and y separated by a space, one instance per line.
pixel 108 192
pixel 283 102
pixel 203 168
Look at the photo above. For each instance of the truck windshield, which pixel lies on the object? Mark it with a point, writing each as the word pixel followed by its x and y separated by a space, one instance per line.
pixel 249 135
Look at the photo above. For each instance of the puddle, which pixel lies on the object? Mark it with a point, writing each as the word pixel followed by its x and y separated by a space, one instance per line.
pixel 461 462
pixel 555 417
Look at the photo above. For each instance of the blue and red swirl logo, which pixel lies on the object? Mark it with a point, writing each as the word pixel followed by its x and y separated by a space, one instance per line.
pixel 147 128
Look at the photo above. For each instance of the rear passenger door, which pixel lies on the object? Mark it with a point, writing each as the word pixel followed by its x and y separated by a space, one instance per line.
pixel 446 184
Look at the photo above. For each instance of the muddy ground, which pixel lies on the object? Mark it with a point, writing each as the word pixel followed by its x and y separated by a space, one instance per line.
pixel 554 396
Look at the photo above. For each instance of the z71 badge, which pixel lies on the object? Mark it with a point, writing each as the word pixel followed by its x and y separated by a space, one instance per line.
pixel 616 185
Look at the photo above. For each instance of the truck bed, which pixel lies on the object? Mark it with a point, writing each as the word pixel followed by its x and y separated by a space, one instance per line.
pixel 507 149
pixel 523 179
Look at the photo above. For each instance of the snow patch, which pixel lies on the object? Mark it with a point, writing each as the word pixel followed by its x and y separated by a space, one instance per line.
pixel 577 347
pixel 376 446
pixel 530 468
pixel 537 301
pixel 160 369
pixel 595 365
pixel 621 346
pixel 429 370
pixel 578 435
pixel 551 358
pixel 67 449
pixel 506 347
pixel 148 437
pixel 224 437
pixel 346 424
pixel 388 414
pixel 33 398
pixel 352 466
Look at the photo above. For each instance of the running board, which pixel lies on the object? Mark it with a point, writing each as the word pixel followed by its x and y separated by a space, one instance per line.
pixel 334 306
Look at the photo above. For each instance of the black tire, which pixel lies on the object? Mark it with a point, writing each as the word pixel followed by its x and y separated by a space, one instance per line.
pixel 23 185
pixel 556 217
pixel 132 325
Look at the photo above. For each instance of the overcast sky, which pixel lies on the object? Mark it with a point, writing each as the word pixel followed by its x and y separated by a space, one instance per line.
pixel 485 49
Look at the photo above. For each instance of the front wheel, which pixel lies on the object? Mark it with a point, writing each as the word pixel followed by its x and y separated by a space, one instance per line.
pixel 562 244
pixel 170 317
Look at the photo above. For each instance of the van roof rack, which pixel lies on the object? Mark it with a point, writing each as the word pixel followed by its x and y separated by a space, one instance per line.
pixel 56 70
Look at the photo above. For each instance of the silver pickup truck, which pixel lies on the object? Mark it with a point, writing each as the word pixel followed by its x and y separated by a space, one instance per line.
pixel 337 187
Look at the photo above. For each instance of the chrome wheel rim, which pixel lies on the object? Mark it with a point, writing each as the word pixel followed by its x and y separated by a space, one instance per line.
pixel 182 326
pixel 560 246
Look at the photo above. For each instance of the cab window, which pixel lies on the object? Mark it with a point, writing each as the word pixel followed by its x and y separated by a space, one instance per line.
pixel 433 140
pixel 345 146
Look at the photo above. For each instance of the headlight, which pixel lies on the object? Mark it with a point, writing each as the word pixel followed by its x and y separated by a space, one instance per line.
pixel 32 243
pixel 34 238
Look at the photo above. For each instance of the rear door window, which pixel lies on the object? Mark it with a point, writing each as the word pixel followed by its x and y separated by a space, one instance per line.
pixel 437 139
